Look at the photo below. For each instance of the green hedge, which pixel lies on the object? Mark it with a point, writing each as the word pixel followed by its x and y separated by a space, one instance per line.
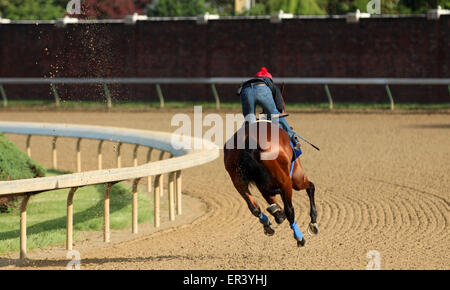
pixel 15 164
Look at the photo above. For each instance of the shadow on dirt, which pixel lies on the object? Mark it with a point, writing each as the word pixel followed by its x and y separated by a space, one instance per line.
pixel 45 263
pixel 430 126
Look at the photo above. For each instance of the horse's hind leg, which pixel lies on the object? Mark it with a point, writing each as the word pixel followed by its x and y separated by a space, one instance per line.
pixel 299 182
pixel 274 207
pixel 242 188
pixel 313 228
pixel 286 195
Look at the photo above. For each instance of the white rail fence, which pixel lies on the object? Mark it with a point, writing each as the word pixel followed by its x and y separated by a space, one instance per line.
pixel 179 159
pixel 219 80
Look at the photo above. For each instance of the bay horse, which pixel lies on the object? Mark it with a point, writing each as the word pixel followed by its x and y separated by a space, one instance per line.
pixel 272 176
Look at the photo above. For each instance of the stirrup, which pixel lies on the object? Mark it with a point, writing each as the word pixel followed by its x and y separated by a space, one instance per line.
pixel 296 143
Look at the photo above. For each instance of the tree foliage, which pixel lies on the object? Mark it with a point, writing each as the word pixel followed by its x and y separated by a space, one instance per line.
pixel 336 7
pixel 387 6
pixel 311 7
pixel 51 9
pixel 174 8
pixel 31 9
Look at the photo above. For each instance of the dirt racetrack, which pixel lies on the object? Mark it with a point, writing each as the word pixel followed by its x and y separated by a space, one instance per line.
pixel 382 183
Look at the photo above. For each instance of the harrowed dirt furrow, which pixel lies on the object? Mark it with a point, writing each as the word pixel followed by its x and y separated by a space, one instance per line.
pixel 437 217
pixel 326 215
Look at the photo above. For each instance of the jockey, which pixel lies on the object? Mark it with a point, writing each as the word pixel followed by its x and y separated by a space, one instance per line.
pixel 261 90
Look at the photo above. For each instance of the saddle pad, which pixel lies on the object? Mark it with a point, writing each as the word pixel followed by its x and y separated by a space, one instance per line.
pixel 297 153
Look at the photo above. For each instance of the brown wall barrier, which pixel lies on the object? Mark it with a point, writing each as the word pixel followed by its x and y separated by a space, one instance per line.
pixel 396 47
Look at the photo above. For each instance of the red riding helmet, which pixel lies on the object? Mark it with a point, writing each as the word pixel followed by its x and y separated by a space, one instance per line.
pixel 263 73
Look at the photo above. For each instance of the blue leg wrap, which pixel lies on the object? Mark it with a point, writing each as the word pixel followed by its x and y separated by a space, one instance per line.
pixel 263 219
pixel 297 234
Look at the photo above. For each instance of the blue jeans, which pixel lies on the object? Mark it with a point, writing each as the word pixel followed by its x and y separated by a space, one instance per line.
pixel 253 95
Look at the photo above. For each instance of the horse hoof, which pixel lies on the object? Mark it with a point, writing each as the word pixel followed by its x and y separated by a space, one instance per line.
pixel 280 219
pixel 301 243
pixel 313 229
pixel 269 230
pixel 277 213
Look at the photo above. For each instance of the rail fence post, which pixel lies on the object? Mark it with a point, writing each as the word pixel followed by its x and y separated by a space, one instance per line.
pixel 391 99
pixel 106 218
pixel 69 234
pixel 119 158
pixel 108 96
pixel 29 145
pixel 54 153
pixel 216 96
pixel 330 100
pixel 23 227
pixel 135 152
pixel 135 206
pixel 5 100
pixel 161 157
pixel 178 191
pixel 149 178
pixel 55 94
pixel 160 96
pixel 99 155
pixel 79 154
pixel 156 204
pixel 171 196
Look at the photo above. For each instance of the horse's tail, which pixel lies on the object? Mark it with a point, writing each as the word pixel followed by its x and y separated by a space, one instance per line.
pixel 250 168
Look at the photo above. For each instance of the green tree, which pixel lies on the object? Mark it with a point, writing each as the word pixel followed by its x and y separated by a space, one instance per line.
pixel 398 6
pixel 298 7
pixel 223 7
pixel 174 8
pixel 257 9
pixel 310 7
pixel 336 7
pixel 31 9
pixel 51 9
pixel 420 6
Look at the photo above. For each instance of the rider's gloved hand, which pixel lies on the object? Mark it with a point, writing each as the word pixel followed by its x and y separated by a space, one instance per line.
pixel 296 143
